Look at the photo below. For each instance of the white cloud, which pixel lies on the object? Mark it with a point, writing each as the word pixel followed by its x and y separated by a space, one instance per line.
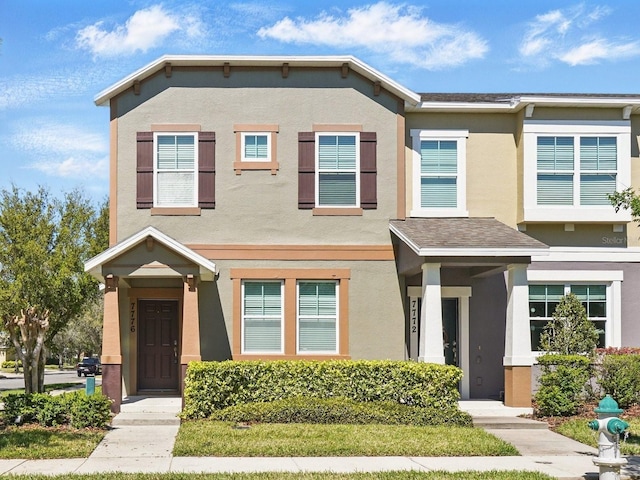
pixel 569 36
pixel 66 151
pixel 144 30
pixel 396 30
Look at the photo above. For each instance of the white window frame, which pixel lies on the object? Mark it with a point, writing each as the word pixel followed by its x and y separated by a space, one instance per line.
pixel 194 202
pixel 243 136
pixel 612 279
pixel 337 318
pixel 356 135
pixel 460 136
pixel 532 129
pixel 242 319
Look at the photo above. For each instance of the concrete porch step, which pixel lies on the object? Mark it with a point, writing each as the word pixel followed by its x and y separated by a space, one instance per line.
pixel 504 423
pixel 144 419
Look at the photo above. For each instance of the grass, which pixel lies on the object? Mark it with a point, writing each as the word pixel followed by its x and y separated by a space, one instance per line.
pixel 33 442
pixel 577 429
pixel 435 475
pixel 206 438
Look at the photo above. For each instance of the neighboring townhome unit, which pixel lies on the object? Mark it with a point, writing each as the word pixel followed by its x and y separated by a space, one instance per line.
pixel 313 208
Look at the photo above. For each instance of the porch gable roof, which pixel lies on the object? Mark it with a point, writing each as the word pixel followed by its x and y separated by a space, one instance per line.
pixel 94 265
pixel 468 237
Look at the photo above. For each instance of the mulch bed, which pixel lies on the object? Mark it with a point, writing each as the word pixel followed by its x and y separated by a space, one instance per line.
pixel 586 413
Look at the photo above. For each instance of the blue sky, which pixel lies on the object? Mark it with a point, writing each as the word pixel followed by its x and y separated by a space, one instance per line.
pixel 55 56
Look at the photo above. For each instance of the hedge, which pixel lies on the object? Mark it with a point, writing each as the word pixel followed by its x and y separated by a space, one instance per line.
pixel 562 384
pixel 76 409
pixel 211 386
pixel 340 411
pixel 619 376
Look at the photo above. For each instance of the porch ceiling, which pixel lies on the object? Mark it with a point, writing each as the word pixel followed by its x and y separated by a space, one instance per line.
pixel 465 237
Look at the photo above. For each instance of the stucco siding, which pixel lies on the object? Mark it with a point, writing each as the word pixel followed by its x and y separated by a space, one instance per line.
pixel 253 207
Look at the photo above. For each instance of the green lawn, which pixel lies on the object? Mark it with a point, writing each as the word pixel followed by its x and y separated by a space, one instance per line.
pixel 437 475
pixel 578 430
pixel 206 438
pixel 32 442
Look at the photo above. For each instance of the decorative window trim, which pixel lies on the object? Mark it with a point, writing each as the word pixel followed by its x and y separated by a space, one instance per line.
pixel 356 171
pixel 611 278
pixel 290 278
pixel 532 129
pixel 460 136
pixel 195 169
pixel 240 164
pixel 243 315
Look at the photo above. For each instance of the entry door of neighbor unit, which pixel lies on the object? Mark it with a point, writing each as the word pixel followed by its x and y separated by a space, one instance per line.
pixel 450 331
pixel 158 345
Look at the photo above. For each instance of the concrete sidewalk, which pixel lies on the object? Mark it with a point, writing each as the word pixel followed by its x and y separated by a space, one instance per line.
pixel 144 433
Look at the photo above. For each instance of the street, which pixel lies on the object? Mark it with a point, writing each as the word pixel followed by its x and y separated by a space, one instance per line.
pixel 11 381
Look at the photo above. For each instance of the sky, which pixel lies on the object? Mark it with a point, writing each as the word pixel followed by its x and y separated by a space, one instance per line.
pixel 56 56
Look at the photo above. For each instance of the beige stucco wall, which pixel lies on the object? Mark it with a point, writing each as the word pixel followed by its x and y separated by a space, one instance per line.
pixel 492 183
pixel 257 207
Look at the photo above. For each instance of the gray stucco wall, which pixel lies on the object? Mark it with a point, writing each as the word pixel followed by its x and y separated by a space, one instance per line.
pixel 257 207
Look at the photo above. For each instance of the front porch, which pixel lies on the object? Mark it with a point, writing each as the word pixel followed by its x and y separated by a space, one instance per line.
pixel 467 292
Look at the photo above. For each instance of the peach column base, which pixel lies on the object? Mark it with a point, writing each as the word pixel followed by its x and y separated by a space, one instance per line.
pixel 517 386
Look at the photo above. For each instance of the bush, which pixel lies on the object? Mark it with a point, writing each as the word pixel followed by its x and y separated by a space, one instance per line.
pixel 10 364
pixel 619 376
pixel 77 409
pixel 211 386
pixel 340 411
pixel 562 384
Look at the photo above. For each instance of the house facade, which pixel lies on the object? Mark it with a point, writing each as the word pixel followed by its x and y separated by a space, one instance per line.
pixel 313 208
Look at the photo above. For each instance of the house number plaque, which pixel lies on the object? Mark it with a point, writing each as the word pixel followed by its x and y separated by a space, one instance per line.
pixel 132 317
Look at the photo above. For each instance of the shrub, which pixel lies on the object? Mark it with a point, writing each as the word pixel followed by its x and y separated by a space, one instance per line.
pixel 211 386
pixel 10 364
pixel 570 332
pixel 619 376
pixel 340 411
pixel 77 409
pixel 562 384
pixel 89 410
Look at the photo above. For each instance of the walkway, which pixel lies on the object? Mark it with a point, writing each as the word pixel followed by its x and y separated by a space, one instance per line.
pixel 144 433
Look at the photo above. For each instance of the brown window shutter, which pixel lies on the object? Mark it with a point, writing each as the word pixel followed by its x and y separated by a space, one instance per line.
pixel 144 170
pixel 306 170
pixel 368 171
pixel 207 169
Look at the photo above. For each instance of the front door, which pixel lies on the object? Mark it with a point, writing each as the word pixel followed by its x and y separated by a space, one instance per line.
pixel 450 331
pixel 158 345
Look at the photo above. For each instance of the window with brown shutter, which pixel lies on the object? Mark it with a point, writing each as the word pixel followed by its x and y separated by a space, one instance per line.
pixel 146 146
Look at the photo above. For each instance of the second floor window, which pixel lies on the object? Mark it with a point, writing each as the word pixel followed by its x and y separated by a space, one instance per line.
pixel 581 176
pixel 337 173
pixel 175 174
pixel 255 147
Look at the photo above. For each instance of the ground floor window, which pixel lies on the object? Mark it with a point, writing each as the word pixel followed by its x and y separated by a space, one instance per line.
pixel 543 300
pixel 262 316
pixel 290 313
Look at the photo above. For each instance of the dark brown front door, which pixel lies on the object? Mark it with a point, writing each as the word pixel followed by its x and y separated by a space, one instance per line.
pixel 158 345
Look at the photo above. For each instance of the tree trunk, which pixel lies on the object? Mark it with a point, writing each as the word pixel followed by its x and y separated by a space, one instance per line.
pixel 27 332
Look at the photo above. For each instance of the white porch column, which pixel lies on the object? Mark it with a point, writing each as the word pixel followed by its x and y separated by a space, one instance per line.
pixel 517 343
pixel 431 347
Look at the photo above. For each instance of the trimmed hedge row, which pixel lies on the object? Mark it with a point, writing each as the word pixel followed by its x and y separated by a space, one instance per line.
pixel 76 409
pixel 340 411
pixel 211 386
pixel 619 376
pixel 562 384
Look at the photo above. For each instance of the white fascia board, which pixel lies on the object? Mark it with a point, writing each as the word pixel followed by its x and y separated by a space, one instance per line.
pixel 482 252
pixel 575 275
pixel 357 65
pixel 462 106
pixel 614 102
pixel 590 254
pixel 94 265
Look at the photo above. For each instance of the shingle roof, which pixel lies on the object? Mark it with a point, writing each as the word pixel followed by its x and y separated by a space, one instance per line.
pixel 465 236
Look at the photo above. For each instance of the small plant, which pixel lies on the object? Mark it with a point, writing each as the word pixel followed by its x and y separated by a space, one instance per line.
pixel 570 332
pixel 562 384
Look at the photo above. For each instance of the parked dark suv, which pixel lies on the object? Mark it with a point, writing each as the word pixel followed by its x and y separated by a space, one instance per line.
pixel 89 366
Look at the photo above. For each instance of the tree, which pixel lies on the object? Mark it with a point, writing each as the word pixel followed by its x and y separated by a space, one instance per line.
pixel 83 334
pixel 626 200
pixel 44 242
pixel 570 332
